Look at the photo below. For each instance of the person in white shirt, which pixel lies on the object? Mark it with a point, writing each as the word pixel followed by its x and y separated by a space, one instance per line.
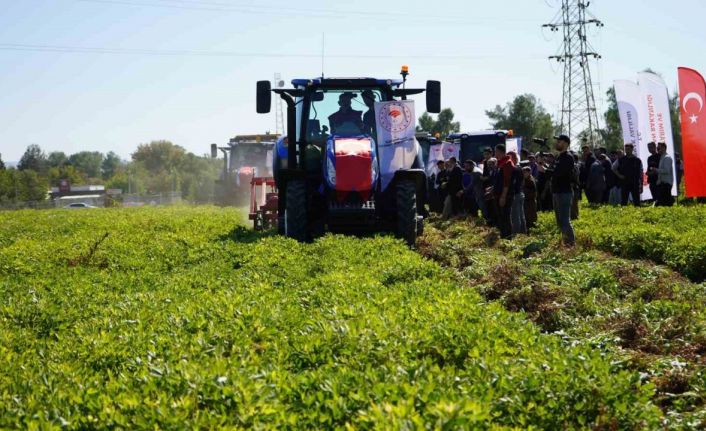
pixel 665 177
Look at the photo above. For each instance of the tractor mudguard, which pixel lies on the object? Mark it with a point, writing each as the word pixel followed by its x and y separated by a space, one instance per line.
pixel 416 175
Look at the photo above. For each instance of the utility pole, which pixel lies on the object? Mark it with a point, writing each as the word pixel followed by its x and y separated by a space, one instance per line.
pixel 579 118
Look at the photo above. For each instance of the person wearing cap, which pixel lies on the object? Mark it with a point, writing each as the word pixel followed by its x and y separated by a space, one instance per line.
pixel 629 171
pixel 347 116
pixel 564 177
pixel 369 125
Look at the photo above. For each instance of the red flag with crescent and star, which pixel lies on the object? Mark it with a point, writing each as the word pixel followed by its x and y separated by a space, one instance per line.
pixel 692 95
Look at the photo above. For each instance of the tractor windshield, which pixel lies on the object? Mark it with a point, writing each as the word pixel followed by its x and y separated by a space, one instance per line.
pixel 341 112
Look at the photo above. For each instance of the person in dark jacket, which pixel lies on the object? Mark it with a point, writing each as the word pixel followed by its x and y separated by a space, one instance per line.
pixel 440 179
pixel 596 185
pixel 489 195
pixel 563 180
pixel 577 188
pixel 587 160
pixel 652 165
pixel 517 213
pixel 470 208
pixel 530 190
pixel 608 172
pixel 544 183
pixel 455 186
pixel 503 190
pixel 629 171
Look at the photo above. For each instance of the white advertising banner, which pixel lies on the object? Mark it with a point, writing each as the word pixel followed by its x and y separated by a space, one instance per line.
pixel 435 154
pixel 657 124
pixel 631 111
pixel 513 144
pixel 397 147
pixel 449 149
pixel 442 152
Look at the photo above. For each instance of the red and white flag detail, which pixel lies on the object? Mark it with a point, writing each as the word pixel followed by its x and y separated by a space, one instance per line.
pixel 692 94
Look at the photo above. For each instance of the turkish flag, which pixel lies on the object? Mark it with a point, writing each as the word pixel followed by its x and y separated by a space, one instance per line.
pixel 692 95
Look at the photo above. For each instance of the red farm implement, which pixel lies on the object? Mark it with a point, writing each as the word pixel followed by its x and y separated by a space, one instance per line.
pixel 263 203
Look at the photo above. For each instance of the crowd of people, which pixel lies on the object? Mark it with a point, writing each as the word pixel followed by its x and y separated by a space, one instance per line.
pixel 507 190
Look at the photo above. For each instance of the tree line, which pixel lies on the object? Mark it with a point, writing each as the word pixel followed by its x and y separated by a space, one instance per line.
pixel 155 167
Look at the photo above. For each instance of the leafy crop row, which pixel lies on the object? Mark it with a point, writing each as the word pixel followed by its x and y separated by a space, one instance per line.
pixel 648 315
pixel 674 236
pixel 176 320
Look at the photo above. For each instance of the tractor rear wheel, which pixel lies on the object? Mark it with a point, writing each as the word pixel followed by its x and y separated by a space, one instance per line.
pixel 295 218
pixel 407 211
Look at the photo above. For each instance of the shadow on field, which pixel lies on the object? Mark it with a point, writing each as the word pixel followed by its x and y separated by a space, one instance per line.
pixel 242 234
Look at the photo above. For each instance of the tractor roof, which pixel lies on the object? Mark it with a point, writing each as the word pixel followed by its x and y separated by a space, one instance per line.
pixel 346 82
pixel 478 133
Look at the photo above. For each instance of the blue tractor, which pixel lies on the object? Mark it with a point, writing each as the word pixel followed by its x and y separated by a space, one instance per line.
pixel 331 172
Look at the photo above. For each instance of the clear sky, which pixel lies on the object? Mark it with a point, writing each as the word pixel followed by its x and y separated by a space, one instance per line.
pixel 185 70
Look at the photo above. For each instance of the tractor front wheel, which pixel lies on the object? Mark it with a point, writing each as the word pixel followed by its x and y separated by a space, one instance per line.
pixel 295 218
pixel 407 211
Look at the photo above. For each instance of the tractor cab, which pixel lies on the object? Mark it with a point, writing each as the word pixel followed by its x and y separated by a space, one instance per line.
pixel 332 172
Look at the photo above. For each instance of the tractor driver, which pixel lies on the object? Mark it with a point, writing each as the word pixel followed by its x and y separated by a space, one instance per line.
pixel 346 120
pixel 369 126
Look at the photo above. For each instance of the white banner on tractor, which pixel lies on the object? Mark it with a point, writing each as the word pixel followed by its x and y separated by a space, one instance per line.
pixel 395 137
pixel 657 123
pixel 441 152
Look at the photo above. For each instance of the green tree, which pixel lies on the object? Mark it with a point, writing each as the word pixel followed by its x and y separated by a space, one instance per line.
pixel 118 181
pixel 159 156
pixel 111 164
pixel 612 133
pixel 30 186
pixel 88 163
pixel 7 185
pixel 675 113
pixel 2 164
pixel 56 159
pixel 33 159
pixel 525 116
pixel 64 172
pixel 444 124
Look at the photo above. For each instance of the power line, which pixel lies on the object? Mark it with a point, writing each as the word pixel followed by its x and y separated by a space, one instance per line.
pixel 183 52
pixel 288 11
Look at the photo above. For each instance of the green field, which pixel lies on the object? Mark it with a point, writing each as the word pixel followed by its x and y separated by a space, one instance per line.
pixel 650 316
pixel 179 318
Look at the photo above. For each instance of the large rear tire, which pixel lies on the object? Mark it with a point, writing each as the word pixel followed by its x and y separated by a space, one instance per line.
pixel 295 218
pixel 407 211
